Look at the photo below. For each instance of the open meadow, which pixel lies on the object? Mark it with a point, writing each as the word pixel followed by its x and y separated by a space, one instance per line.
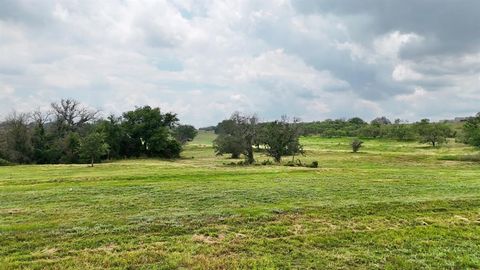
pixel 393 205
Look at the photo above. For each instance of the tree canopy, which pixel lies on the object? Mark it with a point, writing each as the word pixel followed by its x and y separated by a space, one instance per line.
pixel 433 133
pixel 471 130
pixel 281 138
pixel 237 136
pixel 93 146
pixel 72 133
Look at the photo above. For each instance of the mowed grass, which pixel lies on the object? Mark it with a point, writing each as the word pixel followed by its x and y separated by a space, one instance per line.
pixel 394 205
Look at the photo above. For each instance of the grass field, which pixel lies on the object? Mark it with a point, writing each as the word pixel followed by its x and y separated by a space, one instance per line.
pixel 392 206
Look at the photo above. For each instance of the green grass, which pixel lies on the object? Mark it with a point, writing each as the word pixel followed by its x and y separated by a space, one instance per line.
pixel 392 206
pixel 204 138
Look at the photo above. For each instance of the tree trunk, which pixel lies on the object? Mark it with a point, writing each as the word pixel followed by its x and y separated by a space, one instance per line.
pixel 250 158
pixel 91 164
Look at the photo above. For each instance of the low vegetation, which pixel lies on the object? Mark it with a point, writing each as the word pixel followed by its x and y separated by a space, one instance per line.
pixel 55 136
pixel 168 198
pixel 396 206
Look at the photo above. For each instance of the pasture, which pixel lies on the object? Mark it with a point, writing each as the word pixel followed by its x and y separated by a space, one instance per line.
pixel 393 205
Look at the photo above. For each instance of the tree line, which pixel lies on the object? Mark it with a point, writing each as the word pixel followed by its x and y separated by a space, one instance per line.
pixel 240 134
pixel 72 133
pixel 424 131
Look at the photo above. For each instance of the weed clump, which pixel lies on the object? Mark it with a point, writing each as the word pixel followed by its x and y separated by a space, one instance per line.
pixel 299 163
pixel 468 158
pixel 290 164
pixel 238 163
pixel 267 162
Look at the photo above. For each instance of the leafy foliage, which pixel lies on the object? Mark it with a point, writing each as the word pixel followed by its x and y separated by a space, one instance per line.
pixel 433 133
pixel 4 162
pixel 356 127
pixel 184 133
pixel 227 143
pixel 281 138
pixel 17 139
pixel 237 135
pixel 356 145
pixel 471 131
pixel 93 146
pixel 60 136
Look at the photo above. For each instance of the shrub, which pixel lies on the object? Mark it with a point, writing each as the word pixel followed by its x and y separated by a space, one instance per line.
pixel 314 164
pixel 4 162
pixel 356 145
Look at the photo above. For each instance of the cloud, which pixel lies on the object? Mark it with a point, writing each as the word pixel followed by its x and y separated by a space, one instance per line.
pixel 389 45
pixel 405 73
pixel 6 91
pixel 205 59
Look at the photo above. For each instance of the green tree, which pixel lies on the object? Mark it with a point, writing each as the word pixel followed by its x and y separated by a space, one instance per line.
pixel 42 141
pixel 357 121
pixel 471 131
pixel 93 146
pixel 150 132
pixel 227 143
pixel 237 134
pixel 433 133
pixel 69 147
pixel 400 131
pixel 184 133
pixel 162 144
pixel 381 121
pixel 248 131
pixel 282 138
pixel 371 131
pixel 18 144
pixel 115 135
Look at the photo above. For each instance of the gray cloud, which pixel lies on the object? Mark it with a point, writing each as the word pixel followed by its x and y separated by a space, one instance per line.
pixel 450 26
pixel 205 59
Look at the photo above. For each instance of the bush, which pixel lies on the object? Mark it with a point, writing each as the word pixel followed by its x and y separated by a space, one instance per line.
pixel 4 162
pixel 356 145
pixel 314 164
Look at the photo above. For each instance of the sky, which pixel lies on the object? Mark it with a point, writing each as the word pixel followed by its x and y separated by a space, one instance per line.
pixel 204 59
